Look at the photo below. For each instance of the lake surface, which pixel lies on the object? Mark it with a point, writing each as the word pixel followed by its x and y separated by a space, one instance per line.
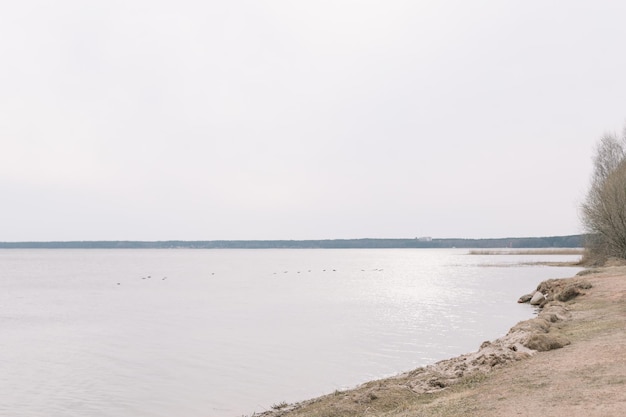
pixel 201 333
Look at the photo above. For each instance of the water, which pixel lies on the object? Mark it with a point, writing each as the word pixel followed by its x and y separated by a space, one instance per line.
pixel 201 333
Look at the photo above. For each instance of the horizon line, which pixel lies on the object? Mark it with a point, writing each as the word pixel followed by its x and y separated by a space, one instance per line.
pixel 423 238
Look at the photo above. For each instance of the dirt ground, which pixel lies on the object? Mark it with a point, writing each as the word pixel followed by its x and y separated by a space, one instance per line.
pixel 569 361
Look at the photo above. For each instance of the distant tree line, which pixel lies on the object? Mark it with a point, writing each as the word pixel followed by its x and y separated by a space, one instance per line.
pixel 573 241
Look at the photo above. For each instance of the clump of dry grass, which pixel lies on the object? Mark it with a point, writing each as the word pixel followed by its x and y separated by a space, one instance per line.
pixel 280 406
pixel 545 342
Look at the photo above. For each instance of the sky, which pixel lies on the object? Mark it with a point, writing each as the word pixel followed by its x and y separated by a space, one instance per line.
pixel 326 119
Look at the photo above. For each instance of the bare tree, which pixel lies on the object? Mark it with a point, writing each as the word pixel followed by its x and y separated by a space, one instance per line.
pixel 604 209
pixel 609 154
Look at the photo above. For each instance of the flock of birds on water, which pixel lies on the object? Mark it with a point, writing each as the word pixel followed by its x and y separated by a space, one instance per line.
pixel 274 273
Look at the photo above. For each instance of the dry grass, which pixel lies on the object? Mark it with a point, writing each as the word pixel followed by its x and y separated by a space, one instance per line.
pixel 389 398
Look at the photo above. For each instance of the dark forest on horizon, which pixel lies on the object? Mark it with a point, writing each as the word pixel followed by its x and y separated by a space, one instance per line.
pixel 572 241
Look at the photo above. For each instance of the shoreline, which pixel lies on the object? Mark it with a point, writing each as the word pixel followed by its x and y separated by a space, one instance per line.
pixel 536 356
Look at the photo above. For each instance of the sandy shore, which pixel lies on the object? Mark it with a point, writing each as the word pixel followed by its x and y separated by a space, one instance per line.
pixel 568 361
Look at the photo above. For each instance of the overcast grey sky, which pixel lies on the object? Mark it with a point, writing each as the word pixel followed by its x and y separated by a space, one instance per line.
pixel 189 119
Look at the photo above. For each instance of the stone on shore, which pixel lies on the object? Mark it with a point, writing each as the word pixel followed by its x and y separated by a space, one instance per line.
pixel 571 291
pixel 537 298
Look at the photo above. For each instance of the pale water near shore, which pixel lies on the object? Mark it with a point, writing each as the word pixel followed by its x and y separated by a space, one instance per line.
pixel 200 333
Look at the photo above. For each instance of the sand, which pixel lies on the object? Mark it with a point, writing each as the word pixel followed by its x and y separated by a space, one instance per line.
pixel 568 361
